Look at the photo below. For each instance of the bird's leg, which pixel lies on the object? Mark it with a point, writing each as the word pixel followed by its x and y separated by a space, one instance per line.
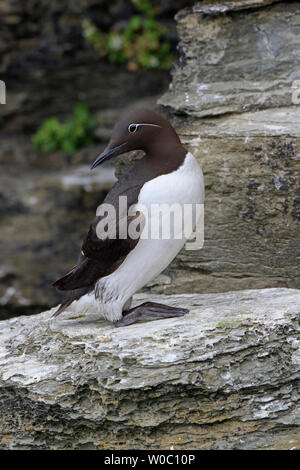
pixel 149 311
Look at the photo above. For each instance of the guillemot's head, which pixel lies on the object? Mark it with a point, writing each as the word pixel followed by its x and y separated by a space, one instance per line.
pixel 139 129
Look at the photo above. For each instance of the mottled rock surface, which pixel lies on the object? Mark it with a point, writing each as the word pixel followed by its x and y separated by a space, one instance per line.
pixel 225 376
pixel 251 166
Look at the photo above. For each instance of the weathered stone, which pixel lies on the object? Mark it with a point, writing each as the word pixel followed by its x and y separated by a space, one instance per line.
pixel 251 167
pixel 213 7
pixel 235 62
pixel 225 376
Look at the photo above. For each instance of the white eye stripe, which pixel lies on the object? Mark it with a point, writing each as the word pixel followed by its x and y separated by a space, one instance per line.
pixel 144 124
pixel 136 126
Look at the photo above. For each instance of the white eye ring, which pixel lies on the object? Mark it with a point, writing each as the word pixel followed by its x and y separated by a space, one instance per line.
pixel 132 128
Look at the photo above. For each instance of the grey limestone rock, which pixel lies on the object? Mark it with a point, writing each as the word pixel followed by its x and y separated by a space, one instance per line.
pixel 224 376
pixel 237 61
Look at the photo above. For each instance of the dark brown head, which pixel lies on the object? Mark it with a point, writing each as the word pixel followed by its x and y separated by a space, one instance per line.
pixel 140 129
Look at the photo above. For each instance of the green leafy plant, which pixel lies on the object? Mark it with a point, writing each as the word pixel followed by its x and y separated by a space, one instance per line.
pixel 141 43
pixel 68 136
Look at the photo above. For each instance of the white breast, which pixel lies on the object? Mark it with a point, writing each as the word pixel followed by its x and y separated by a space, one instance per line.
pixel 151 256
pixel 185 185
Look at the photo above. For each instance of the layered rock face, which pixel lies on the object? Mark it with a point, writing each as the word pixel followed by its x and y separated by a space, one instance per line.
pixel 48 65
pixel 224 376
pixel 45 212
pixel 234 101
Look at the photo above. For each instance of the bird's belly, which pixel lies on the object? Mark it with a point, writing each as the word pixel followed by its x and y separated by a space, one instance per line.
pixel 146 261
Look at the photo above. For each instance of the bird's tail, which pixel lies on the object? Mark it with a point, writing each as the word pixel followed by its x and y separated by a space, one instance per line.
pixel 84 274
pixel 70 297
pixel 61 308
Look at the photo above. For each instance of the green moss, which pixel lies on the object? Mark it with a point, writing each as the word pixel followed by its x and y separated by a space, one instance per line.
pixel 68 136
pixel 228 324
pixel 141 44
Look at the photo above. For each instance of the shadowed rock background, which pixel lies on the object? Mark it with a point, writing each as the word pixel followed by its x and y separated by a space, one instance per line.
pixel 48 199
pixel 233 101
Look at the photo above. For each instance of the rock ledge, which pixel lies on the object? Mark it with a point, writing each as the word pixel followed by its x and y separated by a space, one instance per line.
pixel 224 376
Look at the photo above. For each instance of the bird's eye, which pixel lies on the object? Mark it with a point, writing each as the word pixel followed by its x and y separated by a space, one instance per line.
pixel 132 128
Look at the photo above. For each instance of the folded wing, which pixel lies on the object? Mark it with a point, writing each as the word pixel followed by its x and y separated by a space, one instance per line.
pixel 104 249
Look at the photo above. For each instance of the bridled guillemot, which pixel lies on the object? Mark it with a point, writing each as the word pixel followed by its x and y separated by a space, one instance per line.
pixel 111 266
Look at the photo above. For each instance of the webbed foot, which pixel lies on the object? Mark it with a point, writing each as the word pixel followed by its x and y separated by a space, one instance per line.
pixel 149 311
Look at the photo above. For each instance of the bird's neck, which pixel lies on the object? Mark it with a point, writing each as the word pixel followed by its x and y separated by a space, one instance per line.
pixel 166 155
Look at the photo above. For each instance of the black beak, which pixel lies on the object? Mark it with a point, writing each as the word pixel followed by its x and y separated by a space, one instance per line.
pixel 107 154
